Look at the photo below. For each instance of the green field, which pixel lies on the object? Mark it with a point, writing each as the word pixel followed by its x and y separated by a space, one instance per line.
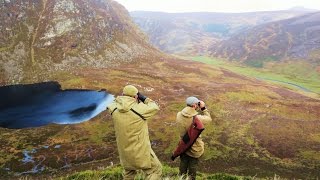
pixel 297 76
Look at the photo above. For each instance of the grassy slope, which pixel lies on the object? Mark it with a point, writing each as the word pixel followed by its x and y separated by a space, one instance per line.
pixel 298 73
pixel 167 173
pixel 241 139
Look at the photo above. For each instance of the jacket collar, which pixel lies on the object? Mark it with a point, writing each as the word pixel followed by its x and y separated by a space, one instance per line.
pixel 189 112
pixel 124 103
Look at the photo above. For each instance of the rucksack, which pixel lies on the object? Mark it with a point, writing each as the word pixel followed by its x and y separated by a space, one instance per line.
pixel 189 137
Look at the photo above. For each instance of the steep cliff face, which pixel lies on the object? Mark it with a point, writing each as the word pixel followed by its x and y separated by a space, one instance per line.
pixel 47 35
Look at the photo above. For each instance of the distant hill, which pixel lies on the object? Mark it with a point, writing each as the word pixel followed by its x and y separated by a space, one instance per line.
pixel 41 36
pixel 295 38
pixel 258 129
pixel 301 8
pixel 193 33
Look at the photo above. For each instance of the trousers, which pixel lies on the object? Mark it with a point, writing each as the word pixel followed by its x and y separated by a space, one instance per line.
pixel 188 166
pixel 153 173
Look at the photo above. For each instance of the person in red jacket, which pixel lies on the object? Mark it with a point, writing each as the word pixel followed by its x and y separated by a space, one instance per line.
pixel 189 159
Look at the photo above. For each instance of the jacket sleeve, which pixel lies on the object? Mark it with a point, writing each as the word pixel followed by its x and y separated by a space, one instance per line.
pixel 147 109
pixel 111 108
pixel 205 117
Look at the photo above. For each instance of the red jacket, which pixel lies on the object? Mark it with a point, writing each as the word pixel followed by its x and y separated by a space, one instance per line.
pixel 189 138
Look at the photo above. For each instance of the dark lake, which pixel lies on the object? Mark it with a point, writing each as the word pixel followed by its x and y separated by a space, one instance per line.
pixel 34 105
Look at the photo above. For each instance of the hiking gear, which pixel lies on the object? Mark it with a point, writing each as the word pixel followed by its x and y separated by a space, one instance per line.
pixel 130 90
pixel 184 120
pixel 190 137
pixel 141 97
pixel 131 129
pixel 188 165
pixel 192 100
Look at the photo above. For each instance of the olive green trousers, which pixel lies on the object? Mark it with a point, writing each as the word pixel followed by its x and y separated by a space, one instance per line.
pixel 188 166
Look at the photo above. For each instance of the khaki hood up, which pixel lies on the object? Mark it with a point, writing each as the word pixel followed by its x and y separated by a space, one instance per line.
pixel 184 120
pixel 131 129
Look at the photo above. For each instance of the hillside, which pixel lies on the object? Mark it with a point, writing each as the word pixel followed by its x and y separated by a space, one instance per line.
pixel 296 38
pixel 37 37
pixel 259 129
pixel 193 33
pixel 115 172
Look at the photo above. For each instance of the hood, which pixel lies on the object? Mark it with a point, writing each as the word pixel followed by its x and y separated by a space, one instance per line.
pixel 189 112
pixel 125 103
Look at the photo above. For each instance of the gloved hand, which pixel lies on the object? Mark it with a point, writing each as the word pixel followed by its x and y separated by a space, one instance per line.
pixel 202 105
pixel 173 158
pixel 141 97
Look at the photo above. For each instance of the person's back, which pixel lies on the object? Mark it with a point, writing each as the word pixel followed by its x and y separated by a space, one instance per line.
pixel 189 159
pixel 184 120
pixel 131 129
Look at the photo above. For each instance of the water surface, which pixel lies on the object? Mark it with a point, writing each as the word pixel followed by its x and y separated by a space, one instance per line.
pixel 35 105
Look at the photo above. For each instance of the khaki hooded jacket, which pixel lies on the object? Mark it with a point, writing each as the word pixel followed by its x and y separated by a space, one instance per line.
pixel 184 120
pixel 131 129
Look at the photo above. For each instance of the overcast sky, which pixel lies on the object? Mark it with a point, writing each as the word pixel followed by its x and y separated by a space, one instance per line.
pixel 216 5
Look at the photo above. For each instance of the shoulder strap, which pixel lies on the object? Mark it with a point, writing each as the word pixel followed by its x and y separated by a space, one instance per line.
pixel 194 124
pixel 197 123
pixel 132 111
pixel 113 111
pixel 138 114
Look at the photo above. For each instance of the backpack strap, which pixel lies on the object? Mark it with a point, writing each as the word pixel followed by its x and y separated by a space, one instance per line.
pixel 193 122
pixel 132 111
pixel 138 114
pixel 113 111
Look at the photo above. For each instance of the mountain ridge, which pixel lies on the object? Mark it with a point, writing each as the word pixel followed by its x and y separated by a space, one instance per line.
pixel 192 33
pixel 294 38
pixel 258 129
pixel 53 35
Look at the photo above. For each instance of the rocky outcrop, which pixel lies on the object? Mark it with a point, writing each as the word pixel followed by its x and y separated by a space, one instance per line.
pixel 48 35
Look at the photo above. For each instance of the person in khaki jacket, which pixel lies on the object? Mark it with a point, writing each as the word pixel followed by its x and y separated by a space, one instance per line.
pixel 130 113
pixel 189 160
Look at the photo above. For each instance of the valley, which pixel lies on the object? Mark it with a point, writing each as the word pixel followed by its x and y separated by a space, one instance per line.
pixel 265 110
pixel 294 77
pixel 197 33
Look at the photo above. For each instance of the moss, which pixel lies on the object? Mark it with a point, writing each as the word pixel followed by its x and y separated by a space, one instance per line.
pixel 74 82
pixel 3 48
pixel 110 173
pixel 5 157
pixel 176 107
pixel 213 153
pixel 167 173
pixel 315 137
pixel 222 176
pixel 261 91
pixel 246 97
pixel 97 130
pixel 289 112
pixel 311 155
